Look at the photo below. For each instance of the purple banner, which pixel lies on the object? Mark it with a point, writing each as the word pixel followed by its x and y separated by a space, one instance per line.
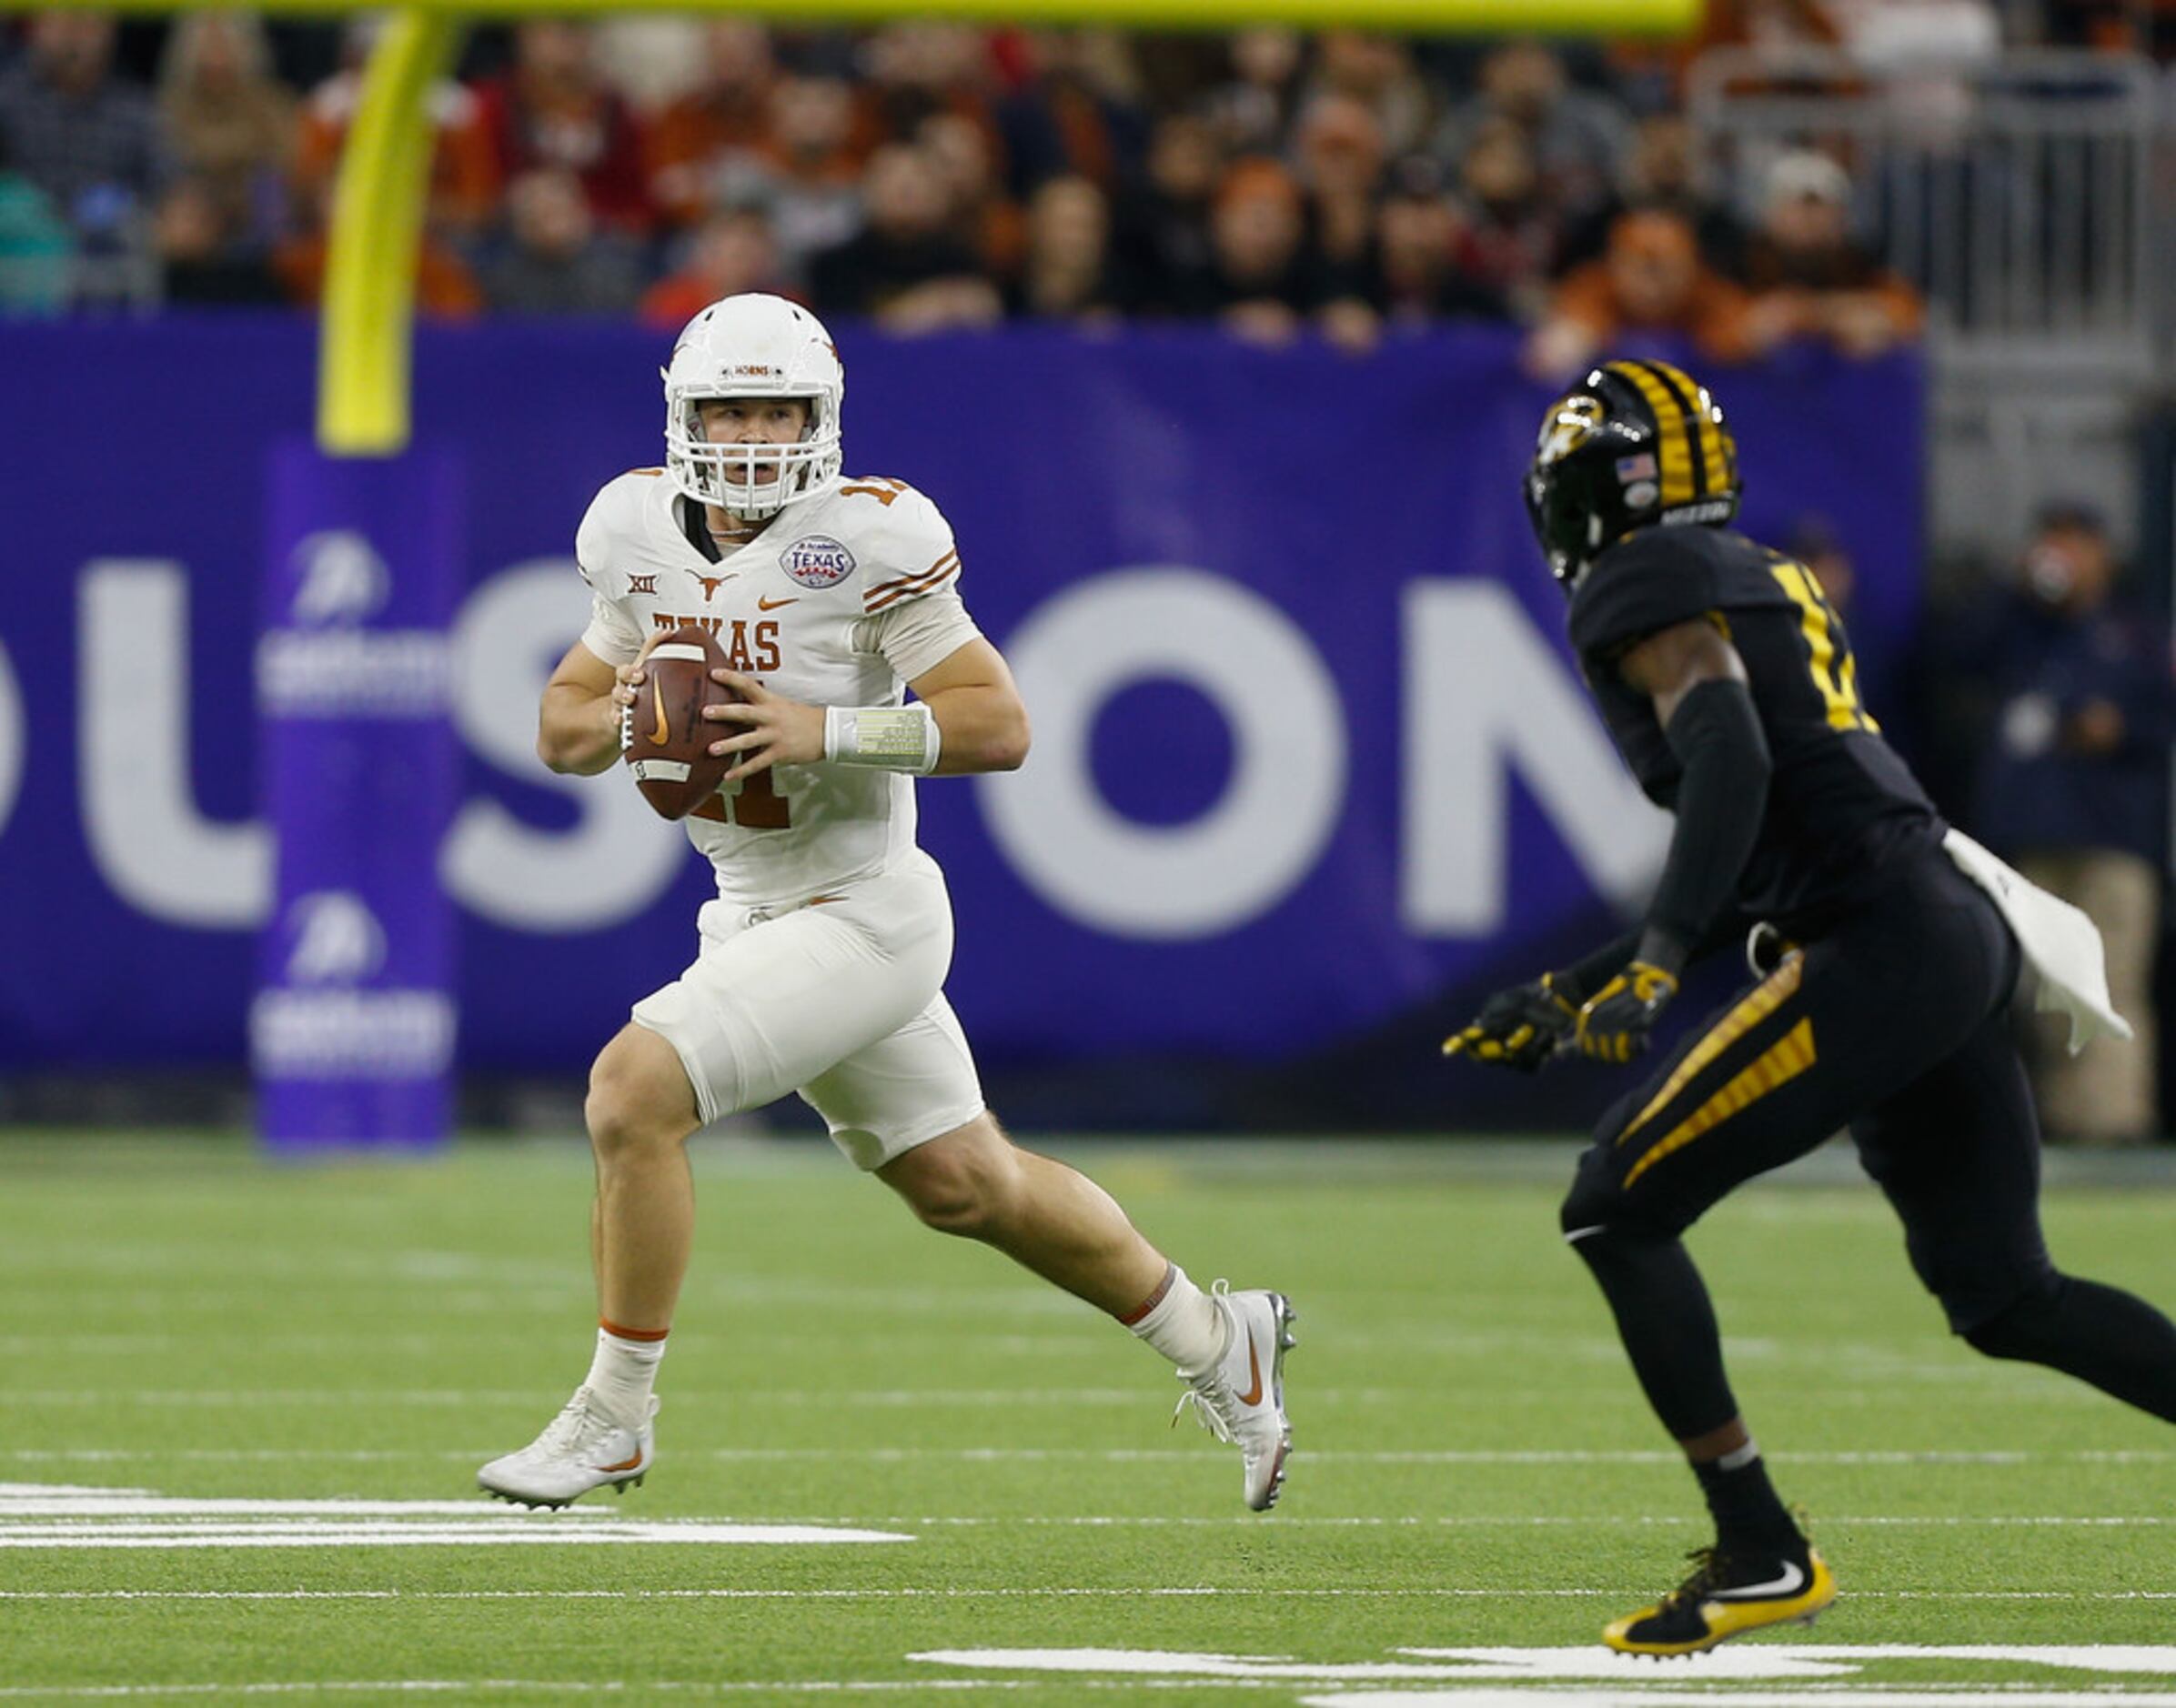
pixel 352 1028
pixel 1310 753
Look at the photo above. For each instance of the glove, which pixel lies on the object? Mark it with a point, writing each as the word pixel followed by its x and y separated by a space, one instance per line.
pixel 1614 1026
pixel 1520 1028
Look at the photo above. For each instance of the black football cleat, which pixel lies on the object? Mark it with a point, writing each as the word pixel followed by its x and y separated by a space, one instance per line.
pixel 1726 1596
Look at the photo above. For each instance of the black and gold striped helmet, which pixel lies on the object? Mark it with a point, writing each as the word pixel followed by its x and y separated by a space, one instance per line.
pixel 1634 445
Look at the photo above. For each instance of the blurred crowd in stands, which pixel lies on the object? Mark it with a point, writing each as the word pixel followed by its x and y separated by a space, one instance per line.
pixel 2054 703
pixel 2041 710
pixel 930 176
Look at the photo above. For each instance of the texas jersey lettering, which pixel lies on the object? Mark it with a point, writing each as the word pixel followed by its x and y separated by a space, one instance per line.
pixel 842 601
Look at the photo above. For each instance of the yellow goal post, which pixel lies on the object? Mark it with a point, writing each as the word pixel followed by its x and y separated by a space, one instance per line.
pixel 379 199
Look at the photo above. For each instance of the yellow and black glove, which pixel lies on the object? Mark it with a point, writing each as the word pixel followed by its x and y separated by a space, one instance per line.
pixel 1520 1028
pixel 1615 1023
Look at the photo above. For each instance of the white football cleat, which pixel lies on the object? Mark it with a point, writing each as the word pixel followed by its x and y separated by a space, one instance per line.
pixel 1240 1397
pixel 581 1449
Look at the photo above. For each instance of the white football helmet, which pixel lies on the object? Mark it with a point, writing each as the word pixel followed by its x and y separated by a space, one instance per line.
pixel 753 345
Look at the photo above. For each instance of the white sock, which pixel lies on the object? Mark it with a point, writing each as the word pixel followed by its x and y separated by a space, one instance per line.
pixel 621 1373
pixel 1183 1322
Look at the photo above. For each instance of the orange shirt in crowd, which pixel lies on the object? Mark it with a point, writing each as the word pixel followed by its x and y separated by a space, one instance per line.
pixel 685 137
pixel 1653 280
pixel 463 177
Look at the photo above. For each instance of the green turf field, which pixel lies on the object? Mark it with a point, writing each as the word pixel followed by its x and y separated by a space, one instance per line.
pixel 186 1335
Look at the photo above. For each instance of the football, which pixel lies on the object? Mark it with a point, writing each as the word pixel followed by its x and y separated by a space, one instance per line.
pixel 667 743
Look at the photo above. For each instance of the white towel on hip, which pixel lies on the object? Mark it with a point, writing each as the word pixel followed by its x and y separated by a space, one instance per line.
pixel 2060 944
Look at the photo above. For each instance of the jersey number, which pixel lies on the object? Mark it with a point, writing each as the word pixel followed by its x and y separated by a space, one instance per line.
pixel 1828 654
pixel 757 807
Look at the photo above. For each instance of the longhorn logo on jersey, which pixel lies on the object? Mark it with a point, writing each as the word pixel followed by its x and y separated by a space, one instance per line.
pixel 817 560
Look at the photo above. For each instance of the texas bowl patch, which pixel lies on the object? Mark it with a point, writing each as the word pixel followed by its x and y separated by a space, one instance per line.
pixel 817 560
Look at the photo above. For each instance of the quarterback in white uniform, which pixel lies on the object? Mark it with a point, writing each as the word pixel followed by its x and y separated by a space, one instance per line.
pixel 821 962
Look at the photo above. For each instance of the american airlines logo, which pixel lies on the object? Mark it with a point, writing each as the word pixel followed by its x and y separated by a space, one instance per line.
pixel 326 663
pixel 337 939
pixel 344 1035
pixel 353 673
pixel 339 579
pixel 323 1026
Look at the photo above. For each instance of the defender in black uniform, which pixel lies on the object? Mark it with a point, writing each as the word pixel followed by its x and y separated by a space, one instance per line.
pixel 1728 685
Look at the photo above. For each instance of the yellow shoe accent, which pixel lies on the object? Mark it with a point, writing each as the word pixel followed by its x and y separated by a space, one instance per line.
pixel 1698 1615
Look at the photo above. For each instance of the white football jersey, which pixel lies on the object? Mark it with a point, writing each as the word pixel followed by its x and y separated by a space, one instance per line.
pixel 842 601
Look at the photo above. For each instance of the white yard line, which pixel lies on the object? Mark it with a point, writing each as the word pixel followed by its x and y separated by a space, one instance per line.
pixel 1040 1592
pixel 636 1690
pixel 1492 1696
pixel 830 1397
pixel 29 1510
pixel 1115 1455
pixel 37 1516
pixel 1377 1521
pixel 2013 1388
pixel 1640 1696
pixel 461 1536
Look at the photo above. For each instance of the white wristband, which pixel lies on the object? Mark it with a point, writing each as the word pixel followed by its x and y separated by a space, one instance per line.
pixel 889 738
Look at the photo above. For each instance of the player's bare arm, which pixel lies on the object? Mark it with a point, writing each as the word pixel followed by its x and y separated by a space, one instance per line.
pixel 578 725
pixel 1667 666
pixel 978 709
pixel 981 721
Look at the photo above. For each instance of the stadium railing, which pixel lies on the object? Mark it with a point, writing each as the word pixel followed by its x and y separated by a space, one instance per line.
pixel 2018 192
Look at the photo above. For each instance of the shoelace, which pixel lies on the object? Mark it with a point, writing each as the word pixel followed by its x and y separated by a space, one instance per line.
pixel 1214 1404
pixel 576 1426
pixel 1696 1587
pixel 1208 1410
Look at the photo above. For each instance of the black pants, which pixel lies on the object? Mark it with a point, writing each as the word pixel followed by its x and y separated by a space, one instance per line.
pixel 1895 1024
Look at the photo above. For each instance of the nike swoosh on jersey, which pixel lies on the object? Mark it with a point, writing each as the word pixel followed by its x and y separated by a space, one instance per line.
pixel 771 605
pixel 1792 1581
